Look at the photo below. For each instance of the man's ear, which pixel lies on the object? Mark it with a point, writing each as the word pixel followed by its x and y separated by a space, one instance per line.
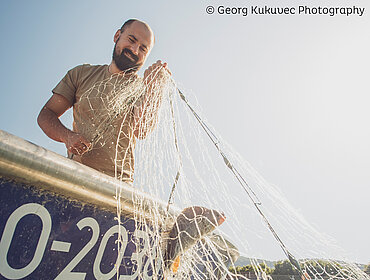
pixel 116 36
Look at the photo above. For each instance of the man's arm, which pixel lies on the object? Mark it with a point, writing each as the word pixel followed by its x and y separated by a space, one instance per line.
pixel 49 122
pixel 146 114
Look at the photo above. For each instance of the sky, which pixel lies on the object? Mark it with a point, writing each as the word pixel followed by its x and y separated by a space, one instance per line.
pixel 290 93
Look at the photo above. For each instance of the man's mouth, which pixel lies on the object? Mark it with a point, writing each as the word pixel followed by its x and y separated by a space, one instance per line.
pixel 130 56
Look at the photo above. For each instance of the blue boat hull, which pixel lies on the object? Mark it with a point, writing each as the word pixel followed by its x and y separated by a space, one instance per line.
pixel 44 233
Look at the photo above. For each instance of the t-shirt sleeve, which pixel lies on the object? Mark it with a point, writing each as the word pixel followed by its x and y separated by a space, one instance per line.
pixel 67 87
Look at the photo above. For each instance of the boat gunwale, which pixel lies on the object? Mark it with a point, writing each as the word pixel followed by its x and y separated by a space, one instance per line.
pixel 25 162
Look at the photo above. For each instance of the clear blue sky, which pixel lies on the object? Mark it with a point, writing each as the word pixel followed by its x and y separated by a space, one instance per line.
pixel 289 93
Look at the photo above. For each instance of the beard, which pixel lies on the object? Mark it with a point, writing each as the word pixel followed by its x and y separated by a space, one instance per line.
pixel 123 62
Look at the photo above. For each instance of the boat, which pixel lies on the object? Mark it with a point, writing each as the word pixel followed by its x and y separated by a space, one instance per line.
pixel 58 220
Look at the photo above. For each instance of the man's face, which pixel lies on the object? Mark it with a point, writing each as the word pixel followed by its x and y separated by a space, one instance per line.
pixel 132 47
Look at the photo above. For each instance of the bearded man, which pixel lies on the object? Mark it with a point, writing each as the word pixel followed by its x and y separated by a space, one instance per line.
pixel 107 143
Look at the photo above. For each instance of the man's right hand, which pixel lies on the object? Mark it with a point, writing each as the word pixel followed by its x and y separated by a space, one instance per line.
pixel 76 143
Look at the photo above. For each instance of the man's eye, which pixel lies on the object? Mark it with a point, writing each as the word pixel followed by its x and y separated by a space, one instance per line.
pixel 143 49
pixel 131 40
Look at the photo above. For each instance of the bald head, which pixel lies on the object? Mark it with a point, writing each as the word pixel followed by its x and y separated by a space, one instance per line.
pixel 133 43
pixel 138 22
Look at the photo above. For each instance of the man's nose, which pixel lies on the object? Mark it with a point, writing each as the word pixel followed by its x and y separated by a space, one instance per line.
pixel 135 49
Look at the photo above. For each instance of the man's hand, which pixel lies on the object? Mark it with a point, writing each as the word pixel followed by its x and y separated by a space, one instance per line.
pixel 76 143
pixel 154 74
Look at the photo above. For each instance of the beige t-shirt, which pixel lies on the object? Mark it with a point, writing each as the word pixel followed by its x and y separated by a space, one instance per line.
pixel 103 114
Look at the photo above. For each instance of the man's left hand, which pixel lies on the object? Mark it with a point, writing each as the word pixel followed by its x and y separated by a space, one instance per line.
pixel 155 73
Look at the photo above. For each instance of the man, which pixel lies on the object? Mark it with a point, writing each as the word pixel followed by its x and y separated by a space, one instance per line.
pixel 111 105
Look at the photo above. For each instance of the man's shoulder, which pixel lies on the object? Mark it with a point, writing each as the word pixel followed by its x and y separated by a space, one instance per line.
pixel 86 72
pixel 90 68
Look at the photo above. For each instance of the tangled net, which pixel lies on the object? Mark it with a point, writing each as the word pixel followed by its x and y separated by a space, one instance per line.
pixel 177 162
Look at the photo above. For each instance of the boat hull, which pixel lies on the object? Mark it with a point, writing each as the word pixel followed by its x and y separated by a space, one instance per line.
pixel 48 236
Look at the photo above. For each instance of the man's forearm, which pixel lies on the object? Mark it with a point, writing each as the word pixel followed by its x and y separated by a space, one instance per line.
pixel 145 117
pixel 52 126
pixel 146 114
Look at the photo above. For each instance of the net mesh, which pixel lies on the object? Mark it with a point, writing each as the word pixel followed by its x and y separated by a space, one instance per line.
pixel 180 159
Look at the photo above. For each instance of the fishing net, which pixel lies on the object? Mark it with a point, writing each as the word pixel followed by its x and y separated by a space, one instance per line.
pixel 182 163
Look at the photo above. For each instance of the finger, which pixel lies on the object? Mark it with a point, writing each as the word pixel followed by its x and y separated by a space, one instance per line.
pixel 157 64
pixel 88 145
pixel 76 147
pixel 154 68
pixel 168 71
pixel 73 150
pixel 83 148
pixel 85 143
